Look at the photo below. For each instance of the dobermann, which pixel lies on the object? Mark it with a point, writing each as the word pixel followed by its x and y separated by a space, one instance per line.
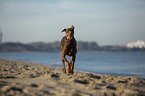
pixel 68 46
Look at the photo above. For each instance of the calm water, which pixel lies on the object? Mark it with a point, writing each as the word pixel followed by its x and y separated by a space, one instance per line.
pixel 118 64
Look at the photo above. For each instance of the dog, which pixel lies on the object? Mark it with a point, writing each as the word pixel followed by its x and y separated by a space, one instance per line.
pixel 68 46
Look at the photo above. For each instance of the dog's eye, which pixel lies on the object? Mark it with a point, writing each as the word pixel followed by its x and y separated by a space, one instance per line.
pixel 68 31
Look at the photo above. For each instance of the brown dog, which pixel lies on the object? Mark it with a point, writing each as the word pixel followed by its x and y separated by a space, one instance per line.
pixel 68 46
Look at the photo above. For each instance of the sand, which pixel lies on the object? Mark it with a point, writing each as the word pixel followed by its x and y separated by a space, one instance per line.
pixel 19 78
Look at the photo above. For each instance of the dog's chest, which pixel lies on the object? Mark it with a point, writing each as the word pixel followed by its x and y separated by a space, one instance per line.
pixel 70 49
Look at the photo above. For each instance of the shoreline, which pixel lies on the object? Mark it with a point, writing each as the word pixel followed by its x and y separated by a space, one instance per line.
pixel 79 52
pixel 30 79
pixel 133 75
pixel 112 74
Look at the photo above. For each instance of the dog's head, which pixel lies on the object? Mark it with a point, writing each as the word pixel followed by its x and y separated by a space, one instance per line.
pixel 69 32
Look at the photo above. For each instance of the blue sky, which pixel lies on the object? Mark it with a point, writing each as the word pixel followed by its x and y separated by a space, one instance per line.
pixel 108 22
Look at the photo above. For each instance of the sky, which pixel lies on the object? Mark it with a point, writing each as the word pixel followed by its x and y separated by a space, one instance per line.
pixel 107 22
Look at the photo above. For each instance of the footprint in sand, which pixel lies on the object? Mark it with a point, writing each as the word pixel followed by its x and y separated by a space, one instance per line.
pixel 55 75
pixel 34 85
pixel 81 81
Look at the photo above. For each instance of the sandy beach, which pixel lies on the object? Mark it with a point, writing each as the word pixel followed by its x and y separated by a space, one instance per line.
pixel 19 78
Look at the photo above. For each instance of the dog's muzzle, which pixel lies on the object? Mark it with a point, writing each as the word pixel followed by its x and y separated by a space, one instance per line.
pixel 69 37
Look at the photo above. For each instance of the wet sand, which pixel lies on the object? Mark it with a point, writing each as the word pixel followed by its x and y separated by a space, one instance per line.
pixel 19 78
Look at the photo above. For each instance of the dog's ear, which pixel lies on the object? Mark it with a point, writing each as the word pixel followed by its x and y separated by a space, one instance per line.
pixel 63 30
pixel 73 27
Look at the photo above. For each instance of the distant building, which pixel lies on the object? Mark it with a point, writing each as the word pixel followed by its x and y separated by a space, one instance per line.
pixel 0 37
pixel 137 44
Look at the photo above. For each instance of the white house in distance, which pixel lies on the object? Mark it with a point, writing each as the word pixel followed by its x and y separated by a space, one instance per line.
pixel 137 44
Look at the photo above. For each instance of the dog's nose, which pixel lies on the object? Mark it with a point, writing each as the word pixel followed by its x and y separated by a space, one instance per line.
pixel 69 37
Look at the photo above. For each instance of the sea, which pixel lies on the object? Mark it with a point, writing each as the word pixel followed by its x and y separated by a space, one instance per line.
pixel 109 63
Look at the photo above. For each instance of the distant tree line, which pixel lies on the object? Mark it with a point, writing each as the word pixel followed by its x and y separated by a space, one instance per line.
pixel 55 47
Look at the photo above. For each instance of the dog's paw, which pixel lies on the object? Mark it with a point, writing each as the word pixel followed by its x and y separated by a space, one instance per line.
pixel 68 70
pixel 64 71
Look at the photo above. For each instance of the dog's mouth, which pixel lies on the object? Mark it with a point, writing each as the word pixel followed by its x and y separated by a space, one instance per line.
pixel 69 37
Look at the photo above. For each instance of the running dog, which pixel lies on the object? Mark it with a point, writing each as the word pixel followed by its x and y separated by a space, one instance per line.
pixel 68 46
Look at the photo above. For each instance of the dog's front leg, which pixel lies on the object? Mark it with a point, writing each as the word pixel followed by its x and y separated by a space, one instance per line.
pixel 64 71
pixel 72 63
pixel 67 63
